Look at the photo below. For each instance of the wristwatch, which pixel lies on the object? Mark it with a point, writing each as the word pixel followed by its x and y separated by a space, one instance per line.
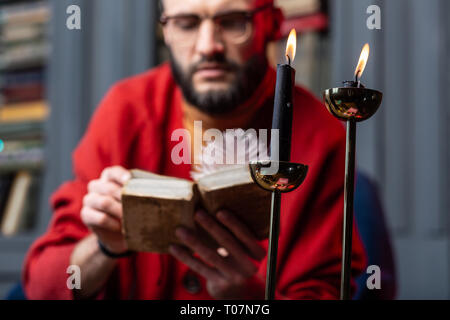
pixel 113 255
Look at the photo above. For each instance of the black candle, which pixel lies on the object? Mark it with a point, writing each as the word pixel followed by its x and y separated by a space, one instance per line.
pixel 283 103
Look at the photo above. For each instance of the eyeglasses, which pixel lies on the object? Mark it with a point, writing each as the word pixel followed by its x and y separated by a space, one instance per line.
pixel 235 26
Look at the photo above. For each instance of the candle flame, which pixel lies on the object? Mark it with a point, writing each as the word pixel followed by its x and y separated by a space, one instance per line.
pixel 362 61
pixel 291 47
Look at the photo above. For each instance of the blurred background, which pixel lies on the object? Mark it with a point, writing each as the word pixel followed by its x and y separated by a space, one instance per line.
pixel 52 78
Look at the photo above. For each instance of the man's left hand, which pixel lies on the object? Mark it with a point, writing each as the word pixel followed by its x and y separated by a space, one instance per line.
pixel 228 269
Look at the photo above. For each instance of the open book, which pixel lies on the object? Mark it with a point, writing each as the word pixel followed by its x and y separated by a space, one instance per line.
pixel 154 206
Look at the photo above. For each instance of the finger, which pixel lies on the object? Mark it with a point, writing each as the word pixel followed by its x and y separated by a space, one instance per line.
pixel 206 254
pixel 105 188
pixel 243 233
pixel 116 174
pixel 201 268
pixel 106 204
pixel 228 241
pixel 96 219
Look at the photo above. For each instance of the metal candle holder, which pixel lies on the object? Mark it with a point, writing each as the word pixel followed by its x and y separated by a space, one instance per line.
pixel 352 104
pixel 289 175
pixel 288 178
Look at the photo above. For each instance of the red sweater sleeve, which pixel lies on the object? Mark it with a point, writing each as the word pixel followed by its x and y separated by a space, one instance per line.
pixel 107 142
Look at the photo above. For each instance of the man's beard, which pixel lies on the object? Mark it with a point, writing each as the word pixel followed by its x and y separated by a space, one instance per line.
pixel 216 102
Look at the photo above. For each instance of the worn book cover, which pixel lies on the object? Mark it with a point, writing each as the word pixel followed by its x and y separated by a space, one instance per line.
pixel 154 206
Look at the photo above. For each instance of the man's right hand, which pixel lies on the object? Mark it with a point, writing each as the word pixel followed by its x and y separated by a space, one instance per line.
pixel 102 208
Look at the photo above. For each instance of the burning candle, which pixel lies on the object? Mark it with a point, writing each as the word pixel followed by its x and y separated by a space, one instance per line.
pixel 364 57
pixel 353 103
pixel 283 106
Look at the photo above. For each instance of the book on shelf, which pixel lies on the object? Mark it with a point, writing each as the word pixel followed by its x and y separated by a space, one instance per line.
pixel 22 86
pixel 5 186
pixel 27 54
pixel 15 212
pixel 10 146
pixel 23 77
pixel 154 206
pixel 24 13
pixel 22 130
pixel 24 112
pixel 21 153
pixel 23 93
pixel 21 33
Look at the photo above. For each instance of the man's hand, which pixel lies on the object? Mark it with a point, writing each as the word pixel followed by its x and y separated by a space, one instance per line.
pixel 228 269
pixel 102 208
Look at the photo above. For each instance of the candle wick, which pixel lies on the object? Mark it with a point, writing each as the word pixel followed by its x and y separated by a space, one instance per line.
pixel 358 82
pixel 289 59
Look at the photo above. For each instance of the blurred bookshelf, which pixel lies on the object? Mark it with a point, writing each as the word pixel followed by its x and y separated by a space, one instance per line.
pixel 24 51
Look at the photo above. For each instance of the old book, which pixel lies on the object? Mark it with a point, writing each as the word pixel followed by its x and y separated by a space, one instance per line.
pixel 23 112
pixel 28 54
pixel 16 205
pixel 24 93
pixel 154 206
pixel 25 13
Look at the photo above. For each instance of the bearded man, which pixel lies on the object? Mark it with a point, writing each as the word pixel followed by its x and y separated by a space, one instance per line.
pixel 218 74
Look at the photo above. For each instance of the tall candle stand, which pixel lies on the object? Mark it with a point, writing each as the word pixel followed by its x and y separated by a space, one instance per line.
pixel 352 103
pixel 288 178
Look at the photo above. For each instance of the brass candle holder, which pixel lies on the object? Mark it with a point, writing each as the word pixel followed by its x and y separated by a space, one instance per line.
pixel 352 103
pixel 288 178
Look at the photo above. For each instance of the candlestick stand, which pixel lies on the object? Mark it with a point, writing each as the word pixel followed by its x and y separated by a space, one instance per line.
pixel 288 178
pixel 350 104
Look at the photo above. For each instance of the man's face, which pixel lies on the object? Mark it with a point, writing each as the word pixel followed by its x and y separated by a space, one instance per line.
pixel 218 64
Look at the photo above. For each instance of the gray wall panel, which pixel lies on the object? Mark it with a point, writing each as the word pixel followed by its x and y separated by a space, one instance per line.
pixel 397 102
pixel 405 146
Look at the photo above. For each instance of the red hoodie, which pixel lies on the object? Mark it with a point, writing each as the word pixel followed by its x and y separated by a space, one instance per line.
pixel 132 128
